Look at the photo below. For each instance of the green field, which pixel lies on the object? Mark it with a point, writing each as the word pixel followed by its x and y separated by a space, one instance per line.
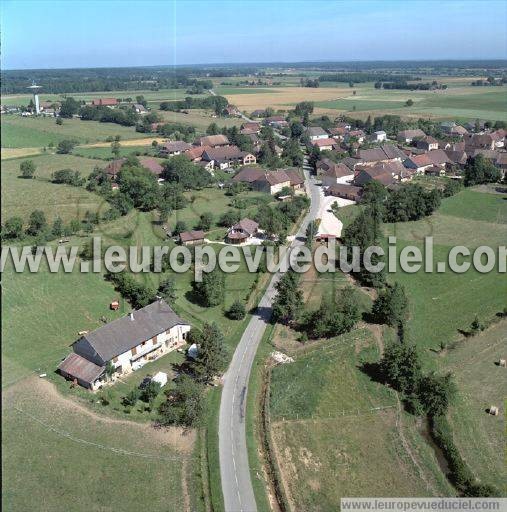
pixel 199 119
pixel 480 436
pixel 223 90
pixel 328 440
pixel 160 95
pixel 442 303
pixel 464 102
pixel 21 196
pixel 26 132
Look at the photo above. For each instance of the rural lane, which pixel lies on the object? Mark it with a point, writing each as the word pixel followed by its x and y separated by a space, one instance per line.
pixel 234 469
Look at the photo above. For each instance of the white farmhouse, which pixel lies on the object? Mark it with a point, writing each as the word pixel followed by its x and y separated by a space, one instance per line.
pixel 144 335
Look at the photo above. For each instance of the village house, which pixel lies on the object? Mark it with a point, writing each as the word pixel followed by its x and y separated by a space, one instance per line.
pixel 458 158
pixel 276 122
pixel 242 231
pixel 349 192
pixel 150 163
pixel 105 102
pixel 407 136
pixel 251 126
pixel 336 174
pixel 191 237
pixel 355 135
pixel 124 345
pixel 173 148
pixel 195 153
pixel 270 182
pixel 419 163
pixel 225 157
pixel 258 113
pixel 384 153
pixel 232 111
pixel 212 141
pixel 297 181
pixel 379 136
pixel 326 144
pixel 139 109
pixel 427 143
pixel 316 133
pixel 386 173
pixel 338 133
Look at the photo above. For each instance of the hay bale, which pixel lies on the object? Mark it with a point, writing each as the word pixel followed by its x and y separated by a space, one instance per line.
pixel 502 363
pixel 493 410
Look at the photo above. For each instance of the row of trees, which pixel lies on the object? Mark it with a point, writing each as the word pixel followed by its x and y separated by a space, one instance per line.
pixel 216 103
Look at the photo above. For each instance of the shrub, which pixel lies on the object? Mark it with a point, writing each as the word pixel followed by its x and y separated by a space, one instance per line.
pixel 237 311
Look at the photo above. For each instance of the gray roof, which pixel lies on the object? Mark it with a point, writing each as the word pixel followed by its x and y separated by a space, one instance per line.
pixel 314 131
pixel 123 334
pixel 80 368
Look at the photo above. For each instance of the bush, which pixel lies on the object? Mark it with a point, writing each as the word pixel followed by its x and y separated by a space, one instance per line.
pixel 131 398
pixel 27 169
pixel 65 146
pixel 237 311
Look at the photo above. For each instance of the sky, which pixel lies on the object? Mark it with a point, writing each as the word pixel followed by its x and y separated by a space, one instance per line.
pixel 74 33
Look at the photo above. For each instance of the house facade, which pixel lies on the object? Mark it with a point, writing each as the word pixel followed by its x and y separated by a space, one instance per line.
pixel 125 345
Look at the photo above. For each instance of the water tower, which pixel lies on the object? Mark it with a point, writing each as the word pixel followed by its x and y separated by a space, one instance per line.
pixel 35 89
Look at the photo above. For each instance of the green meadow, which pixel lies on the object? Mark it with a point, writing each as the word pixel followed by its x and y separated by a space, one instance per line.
pixel 21 196
pixel 25 132
pixel 465 102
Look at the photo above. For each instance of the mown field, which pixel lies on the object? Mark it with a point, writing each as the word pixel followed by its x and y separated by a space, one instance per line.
pixel 482 383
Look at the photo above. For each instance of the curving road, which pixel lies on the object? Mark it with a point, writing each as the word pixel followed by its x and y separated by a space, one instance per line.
pixel 234 469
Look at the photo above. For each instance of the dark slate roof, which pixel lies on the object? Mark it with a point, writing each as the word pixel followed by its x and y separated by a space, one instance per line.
pixel 80 368
pixel 123 334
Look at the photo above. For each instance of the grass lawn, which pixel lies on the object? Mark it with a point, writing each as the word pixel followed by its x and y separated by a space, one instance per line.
pixel 21 196
pixel 28 132
pixel 480 436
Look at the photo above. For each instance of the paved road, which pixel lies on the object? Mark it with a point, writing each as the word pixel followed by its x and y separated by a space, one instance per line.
pixel 234 469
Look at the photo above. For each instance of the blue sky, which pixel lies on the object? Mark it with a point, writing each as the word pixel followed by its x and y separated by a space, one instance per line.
pixel 73 33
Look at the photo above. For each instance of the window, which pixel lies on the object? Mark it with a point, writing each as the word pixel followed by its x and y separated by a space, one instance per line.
pixel 115 359
pixel 134 351
pixel 154 340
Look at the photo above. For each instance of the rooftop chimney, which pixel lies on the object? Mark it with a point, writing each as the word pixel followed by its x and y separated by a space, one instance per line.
pixel 131 315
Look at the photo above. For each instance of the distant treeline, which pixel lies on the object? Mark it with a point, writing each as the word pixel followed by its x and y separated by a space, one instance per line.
pixel 216 103
pixel 61 81
pixel 360 77
pixel 401 84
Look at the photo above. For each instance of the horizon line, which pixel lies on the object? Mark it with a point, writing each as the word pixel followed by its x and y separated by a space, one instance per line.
pixel 252 63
